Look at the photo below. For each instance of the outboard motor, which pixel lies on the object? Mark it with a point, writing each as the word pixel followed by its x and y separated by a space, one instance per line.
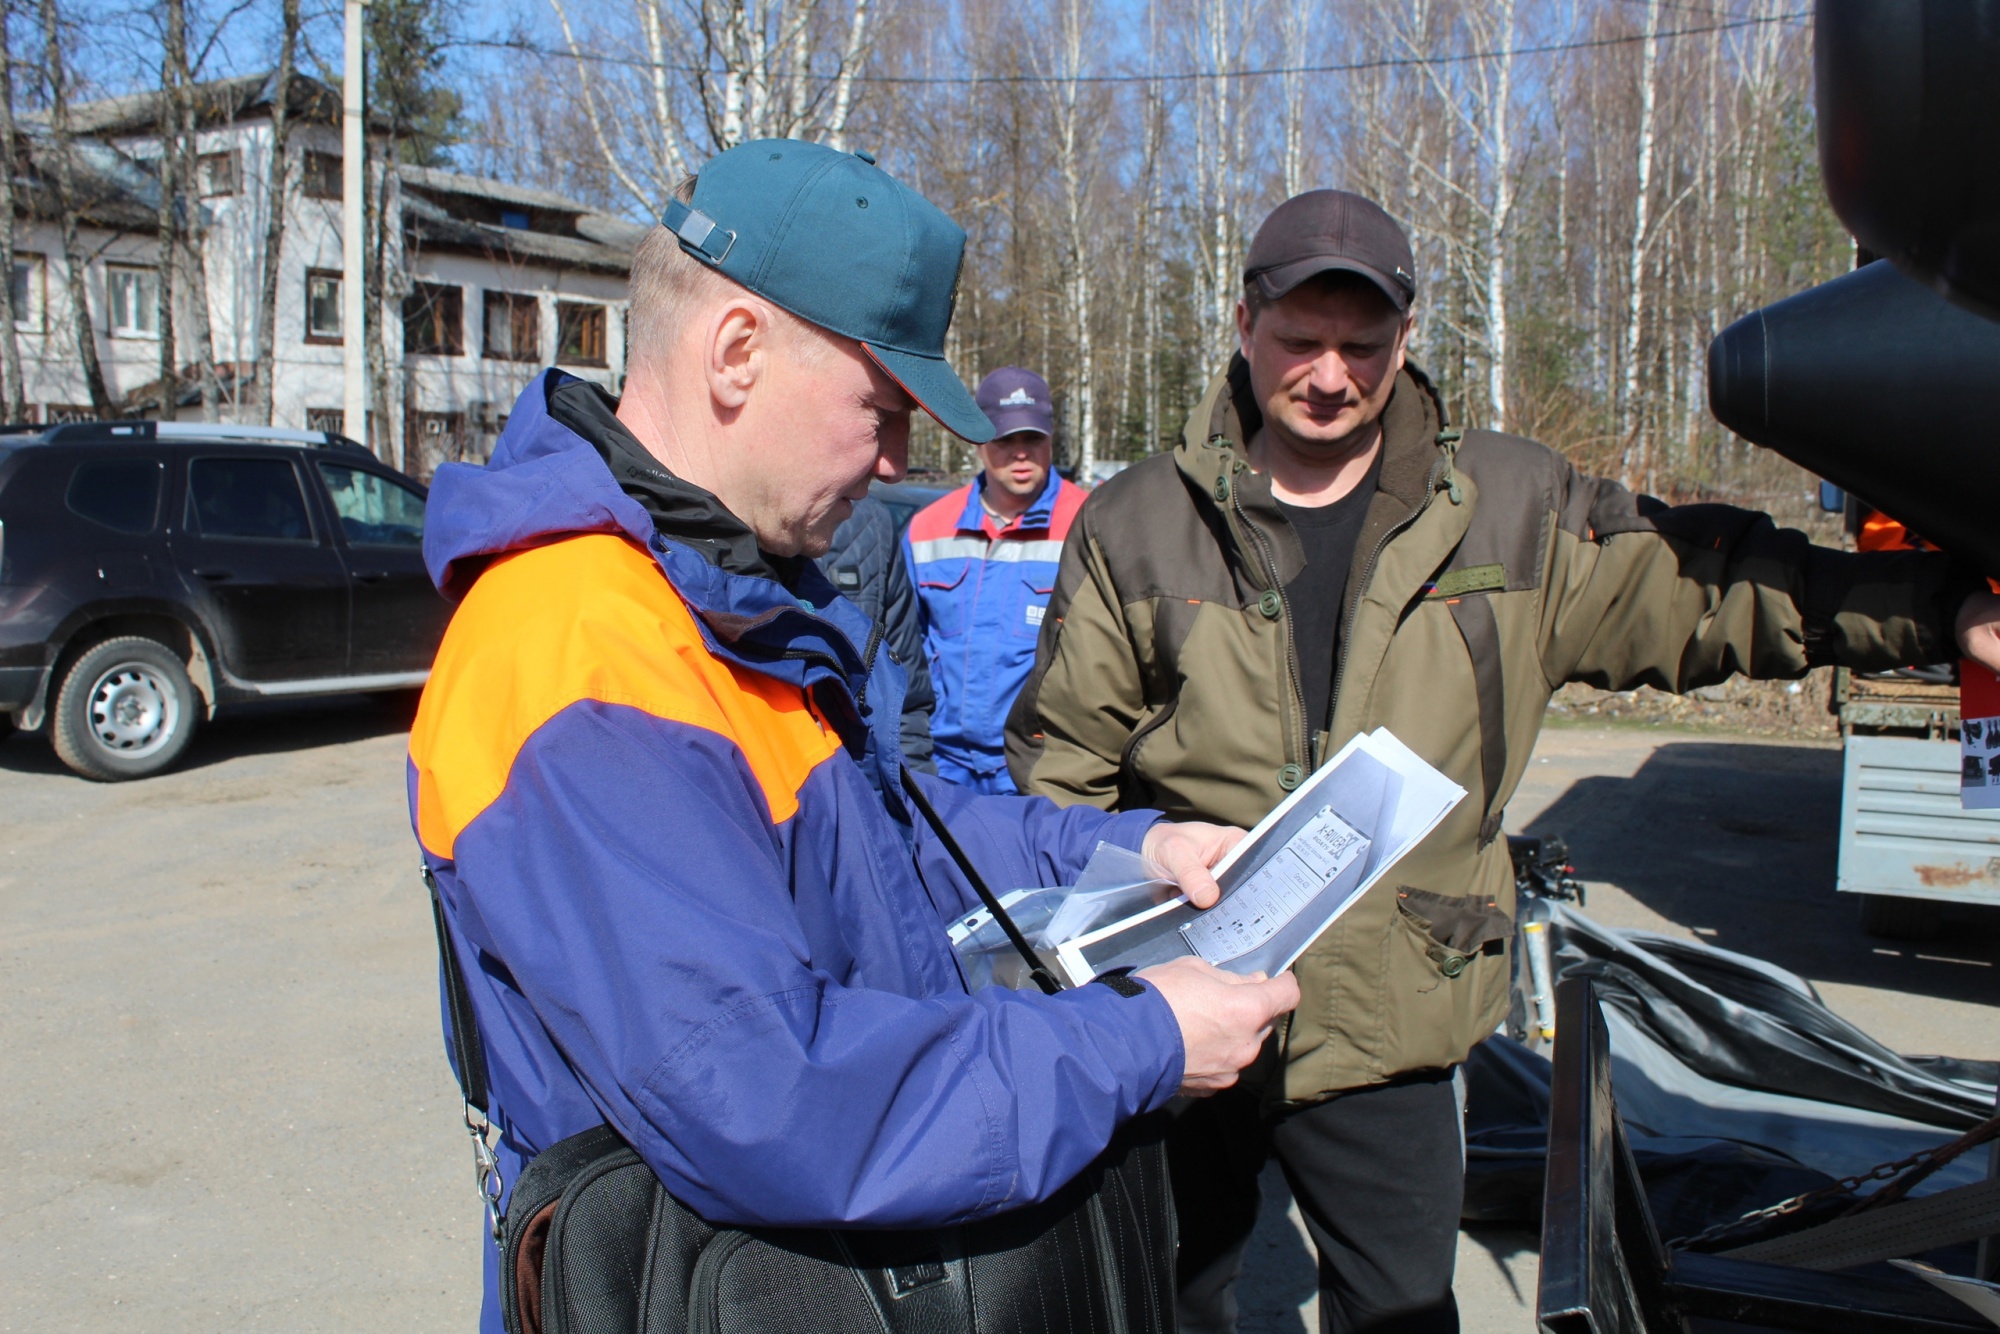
pixel 1887 381
pixel 1883 387
pixel 1909 130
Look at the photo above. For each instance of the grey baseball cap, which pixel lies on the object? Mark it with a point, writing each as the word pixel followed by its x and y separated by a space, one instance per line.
pixel 1323 230
pixel 1014 399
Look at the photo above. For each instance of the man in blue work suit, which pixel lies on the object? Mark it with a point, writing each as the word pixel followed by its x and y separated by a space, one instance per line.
pixel 984 559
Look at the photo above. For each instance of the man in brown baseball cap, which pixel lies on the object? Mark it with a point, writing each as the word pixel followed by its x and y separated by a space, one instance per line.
pixel 1331 231
pixel 1322 555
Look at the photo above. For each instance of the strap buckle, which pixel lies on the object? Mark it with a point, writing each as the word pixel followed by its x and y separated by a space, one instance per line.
pixel 697 231
pixel 486 1171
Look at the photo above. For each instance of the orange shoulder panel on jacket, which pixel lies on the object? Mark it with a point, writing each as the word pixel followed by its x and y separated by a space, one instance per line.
pixel 587 618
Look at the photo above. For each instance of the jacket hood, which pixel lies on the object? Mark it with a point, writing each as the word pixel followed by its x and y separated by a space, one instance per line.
pixel 543 482
pixel 1213 456
pixel 549 479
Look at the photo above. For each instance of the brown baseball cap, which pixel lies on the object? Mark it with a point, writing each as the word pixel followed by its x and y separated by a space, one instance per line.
pixel 1324 230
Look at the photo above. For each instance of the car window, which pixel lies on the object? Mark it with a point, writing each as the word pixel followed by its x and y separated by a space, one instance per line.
pixel 256 498
pixel 374 511
pixel 123 494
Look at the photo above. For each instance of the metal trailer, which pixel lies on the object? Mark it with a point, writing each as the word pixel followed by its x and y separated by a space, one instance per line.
pixel 1605 1269
pixel 1906 848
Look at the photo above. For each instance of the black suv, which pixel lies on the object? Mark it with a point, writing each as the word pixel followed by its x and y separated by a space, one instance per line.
pixel 151 573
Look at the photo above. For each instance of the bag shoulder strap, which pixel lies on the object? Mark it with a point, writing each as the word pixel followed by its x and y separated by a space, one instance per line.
pixel 468 1052
pixel 469 1063
pixel 1036 969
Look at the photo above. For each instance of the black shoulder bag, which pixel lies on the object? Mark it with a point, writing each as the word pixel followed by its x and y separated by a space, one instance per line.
pixel 592 1243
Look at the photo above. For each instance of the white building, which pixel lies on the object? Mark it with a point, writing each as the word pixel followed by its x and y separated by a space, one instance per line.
pixel 485 283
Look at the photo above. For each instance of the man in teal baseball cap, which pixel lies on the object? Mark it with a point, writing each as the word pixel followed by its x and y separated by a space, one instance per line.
pixel 641 772
pixel 850 276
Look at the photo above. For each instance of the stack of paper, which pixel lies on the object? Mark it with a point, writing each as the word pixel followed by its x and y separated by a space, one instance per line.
pixel 1304 865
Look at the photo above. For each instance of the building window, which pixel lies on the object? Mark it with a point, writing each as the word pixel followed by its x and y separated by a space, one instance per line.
pixel 515 218
pixel 434 320
pixel 322 306
pixel 580 333
pixel 135 301
pixel 321 176
pixel 513 327
pixel 30 292
pixel 434 438
pixel 327 419
pixel 219 173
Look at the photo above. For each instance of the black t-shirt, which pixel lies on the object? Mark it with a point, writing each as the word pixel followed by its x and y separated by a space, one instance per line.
pixel 1328 534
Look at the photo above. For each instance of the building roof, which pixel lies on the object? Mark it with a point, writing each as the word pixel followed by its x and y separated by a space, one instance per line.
pixel 217 102
pixel 601 242
pixel 111 189
pixel 442 210
pixel 479 187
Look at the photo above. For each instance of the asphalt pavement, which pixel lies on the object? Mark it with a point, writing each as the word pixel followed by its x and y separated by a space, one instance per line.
pixel 226 1104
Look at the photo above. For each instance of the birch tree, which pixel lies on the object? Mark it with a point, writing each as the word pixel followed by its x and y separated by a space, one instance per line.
pixel 1076 123
pixel 705 75
pixel 1295 33
pixel 1631 463
pixel 1217 35
pixel 13 398
pixel 55 72
pixel 277 202
pixel 172 58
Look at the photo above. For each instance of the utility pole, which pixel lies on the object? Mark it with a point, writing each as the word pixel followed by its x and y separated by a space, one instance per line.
pixel 353 243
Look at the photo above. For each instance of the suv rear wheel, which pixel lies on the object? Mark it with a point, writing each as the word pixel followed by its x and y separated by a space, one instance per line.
pixel 125 709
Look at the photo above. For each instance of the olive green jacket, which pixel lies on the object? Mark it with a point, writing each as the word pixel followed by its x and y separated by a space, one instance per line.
pixel 1488 573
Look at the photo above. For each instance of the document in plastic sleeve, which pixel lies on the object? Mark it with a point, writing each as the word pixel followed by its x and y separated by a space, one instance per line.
pixel 1282 889
pixel 1305 864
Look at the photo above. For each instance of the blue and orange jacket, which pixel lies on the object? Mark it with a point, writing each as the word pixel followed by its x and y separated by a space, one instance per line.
pixel 681 908
pixel 984 589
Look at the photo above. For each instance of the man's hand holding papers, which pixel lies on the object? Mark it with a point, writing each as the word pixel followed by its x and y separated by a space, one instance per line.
pixel 1224 1017
pixel 1187 850
pixel 1285 882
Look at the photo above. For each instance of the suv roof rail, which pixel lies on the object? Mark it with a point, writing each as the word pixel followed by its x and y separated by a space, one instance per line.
pixel 129 430
pixel 150 430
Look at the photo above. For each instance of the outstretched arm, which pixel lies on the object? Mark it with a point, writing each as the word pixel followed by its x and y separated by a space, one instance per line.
pixel 1690 596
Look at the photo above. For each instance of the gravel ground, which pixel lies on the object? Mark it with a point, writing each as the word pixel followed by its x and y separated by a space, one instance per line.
pixel 226 1103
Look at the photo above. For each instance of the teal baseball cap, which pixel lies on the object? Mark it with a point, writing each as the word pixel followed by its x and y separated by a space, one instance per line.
pixel 839 242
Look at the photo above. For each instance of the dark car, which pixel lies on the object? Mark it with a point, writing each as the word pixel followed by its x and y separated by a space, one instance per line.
pixel 904 499
pixel 151 574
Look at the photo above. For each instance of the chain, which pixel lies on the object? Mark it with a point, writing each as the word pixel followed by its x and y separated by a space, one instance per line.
pixel 1919 1164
